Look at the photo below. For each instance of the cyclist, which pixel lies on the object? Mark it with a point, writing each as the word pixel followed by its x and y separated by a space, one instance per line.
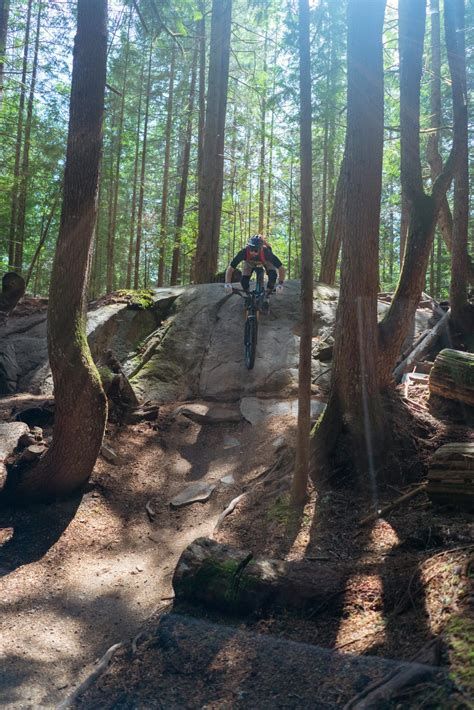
pixel 257 254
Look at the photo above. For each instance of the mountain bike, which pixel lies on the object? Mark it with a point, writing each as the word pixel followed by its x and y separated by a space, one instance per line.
pixel 253 305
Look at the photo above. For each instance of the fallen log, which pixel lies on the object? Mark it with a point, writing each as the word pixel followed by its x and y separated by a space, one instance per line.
pixel 222 577
pixel 451 476
pixel 233 581
pixel 452 376
pixel 421 346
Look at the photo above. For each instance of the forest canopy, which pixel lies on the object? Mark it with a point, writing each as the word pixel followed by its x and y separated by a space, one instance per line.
pixel 158 59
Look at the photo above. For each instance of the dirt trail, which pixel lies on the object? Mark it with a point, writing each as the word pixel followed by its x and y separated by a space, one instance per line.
pixel 79 577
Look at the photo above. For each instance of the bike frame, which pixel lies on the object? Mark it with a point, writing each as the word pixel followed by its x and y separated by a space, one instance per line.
pixel 253 302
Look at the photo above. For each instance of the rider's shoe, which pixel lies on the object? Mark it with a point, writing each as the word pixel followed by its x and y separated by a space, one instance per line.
pixel 265 306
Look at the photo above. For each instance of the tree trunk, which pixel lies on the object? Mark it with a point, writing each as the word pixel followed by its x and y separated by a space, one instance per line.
pixel 141 192
pixel 462 310
pixel 43 237
pixel 354 390
pixel 81 407
pixel 202 88
pixel 423 208
pixel 131 240
pixel 332 244
pixel 263 117
pixel 4 12
pixel 23 188
pixel 300 476
pixel 445 218
pixel 166 171
pixel 183 186
pixel 116 179
pixel 19 135
pixel 210 190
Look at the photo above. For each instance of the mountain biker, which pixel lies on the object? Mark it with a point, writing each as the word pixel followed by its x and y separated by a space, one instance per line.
pixel 257 254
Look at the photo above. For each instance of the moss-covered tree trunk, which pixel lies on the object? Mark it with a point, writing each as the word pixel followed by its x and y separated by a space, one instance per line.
pixel 81 407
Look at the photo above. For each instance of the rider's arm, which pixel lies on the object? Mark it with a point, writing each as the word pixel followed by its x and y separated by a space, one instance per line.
pixel 281 274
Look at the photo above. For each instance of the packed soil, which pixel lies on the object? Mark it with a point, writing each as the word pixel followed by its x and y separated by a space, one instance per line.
pixel 82 576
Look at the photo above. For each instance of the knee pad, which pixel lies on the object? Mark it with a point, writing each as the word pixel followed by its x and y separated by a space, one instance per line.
pixel 272 277
pixel 245 281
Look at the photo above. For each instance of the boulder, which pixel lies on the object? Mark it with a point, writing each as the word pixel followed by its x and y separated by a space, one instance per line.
pixel 10 433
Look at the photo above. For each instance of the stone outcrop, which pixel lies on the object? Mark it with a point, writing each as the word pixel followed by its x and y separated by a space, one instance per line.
pixel 24 363
pixel 188 345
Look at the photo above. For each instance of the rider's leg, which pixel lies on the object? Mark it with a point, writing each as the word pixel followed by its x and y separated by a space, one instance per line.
pixel 246 274
pixel 272 277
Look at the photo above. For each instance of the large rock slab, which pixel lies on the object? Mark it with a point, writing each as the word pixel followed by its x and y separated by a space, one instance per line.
pixel 172 373
pixel 10 432
pixel 24 365
pixel 223 373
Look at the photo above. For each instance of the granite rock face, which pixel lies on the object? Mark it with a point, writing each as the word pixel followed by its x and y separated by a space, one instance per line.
pixel 188 345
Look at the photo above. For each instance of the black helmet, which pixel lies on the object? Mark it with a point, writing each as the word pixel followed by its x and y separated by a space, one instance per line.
pixel 255 242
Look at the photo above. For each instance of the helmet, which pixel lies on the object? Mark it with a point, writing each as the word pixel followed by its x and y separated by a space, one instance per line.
pixel 255 242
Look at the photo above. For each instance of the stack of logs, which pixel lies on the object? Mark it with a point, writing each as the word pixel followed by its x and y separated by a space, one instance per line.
pixel 451 476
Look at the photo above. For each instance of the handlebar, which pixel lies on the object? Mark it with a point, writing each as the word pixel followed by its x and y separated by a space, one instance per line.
pixel 244 294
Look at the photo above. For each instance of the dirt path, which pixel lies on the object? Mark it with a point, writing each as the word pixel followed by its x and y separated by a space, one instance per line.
pixel 82 576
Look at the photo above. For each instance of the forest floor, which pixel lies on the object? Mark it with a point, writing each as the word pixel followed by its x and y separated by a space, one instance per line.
pixel 81 576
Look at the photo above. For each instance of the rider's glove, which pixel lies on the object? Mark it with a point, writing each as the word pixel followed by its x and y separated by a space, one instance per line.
pixel 228 286
pixel 279 289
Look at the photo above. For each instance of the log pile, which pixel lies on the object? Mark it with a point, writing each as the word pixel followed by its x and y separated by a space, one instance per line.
pixel 451 476
pixel 452 376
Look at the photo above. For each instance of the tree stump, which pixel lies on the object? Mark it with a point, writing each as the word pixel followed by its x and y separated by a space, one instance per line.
pixel 452 376
pixel 451 476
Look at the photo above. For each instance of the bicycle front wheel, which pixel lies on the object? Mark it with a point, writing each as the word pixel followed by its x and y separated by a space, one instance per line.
pixel 250 341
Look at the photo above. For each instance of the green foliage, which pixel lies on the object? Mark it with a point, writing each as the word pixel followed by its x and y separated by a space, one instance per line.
pixel 263 74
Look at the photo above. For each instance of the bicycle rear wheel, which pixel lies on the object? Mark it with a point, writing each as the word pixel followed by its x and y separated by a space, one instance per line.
pixel 250 341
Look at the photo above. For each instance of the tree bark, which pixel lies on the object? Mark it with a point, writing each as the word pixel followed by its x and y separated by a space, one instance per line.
pixel 300 476
pixel 81 408
pixel 141 192
pixel 202 88
pixel 210 190
pixel 462 310
pixel 116 176
pixel 166 171
pixel 183 185
pixel 332 244
pixel 131 240
pixel 354 392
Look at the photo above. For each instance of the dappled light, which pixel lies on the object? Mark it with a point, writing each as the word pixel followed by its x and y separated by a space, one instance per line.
pixel 236 354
